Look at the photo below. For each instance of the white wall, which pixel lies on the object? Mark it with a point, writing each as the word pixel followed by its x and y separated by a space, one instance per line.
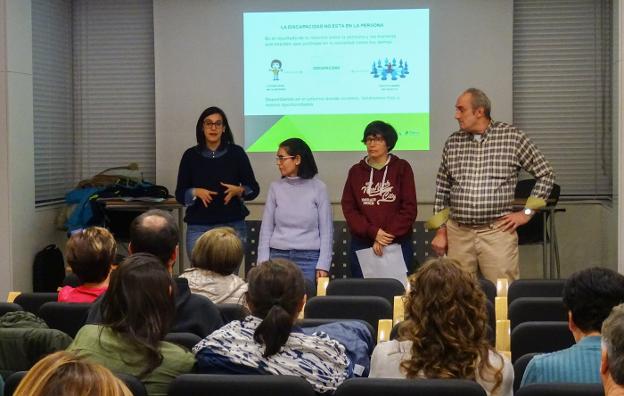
pixel 23 230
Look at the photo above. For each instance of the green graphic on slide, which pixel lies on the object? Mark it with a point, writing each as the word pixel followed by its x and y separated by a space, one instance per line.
pixel 343 132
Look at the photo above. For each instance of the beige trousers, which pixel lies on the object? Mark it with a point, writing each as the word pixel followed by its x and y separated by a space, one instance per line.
pixel 485 248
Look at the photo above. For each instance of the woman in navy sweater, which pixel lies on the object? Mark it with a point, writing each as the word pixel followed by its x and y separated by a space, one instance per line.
pixel 214 179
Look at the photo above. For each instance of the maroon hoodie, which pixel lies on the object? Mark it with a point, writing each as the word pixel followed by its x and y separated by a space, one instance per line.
pixel 390 206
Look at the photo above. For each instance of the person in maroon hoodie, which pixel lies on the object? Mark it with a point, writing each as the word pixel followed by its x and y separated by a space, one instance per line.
pixel 379 197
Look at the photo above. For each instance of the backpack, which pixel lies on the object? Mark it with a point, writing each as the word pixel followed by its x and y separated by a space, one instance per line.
pixel 48 269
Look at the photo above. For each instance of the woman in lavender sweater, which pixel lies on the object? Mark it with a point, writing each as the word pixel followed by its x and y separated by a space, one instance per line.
pixel 297 221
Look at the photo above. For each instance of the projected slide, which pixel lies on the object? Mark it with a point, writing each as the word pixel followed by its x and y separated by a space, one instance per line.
pixel 323 76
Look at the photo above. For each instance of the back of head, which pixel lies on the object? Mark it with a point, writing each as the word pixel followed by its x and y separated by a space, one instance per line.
pixel 590 294
pixel 383 129
pixel 218 250
pixel 275 295
pixel 298 147
pixel 90 253
pixel 448 325
pixel 613 342
pixel 139 305
pixel 64 373
pixel 154 232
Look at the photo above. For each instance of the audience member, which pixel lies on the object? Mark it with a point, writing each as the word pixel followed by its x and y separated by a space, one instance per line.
pixel 612 359
pixel 266 342
pixel 90 253
pixel 216 255
pixel 64 373
pixel 156 232
pixel 447 335
pixel 137 313
pixel 588 295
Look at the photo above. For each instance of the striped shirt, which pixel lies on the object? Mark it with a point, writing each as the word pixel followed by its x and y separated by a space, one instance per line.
pixel 578 364
pixel 477 178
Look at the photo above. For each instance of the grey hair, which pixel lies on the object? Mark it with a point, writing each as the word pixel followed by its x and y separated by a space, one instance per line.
pixel 613 342
pixel 478 98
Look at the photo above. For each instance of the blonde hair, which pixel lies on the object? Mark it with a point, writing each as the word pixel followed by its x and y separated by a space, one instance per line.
pixel 448 325
pixel 219 250
pixel 64 373
pixel 90 253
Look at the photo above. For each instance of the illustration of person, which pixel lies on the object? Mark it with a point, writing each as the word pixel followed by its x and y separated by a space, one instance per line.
pixel 276 66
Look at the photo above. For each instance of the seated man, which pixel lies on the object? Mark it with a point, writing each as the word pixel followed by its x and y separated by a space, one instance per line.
pixel 156 232
pixel 612 361
pixel 589 296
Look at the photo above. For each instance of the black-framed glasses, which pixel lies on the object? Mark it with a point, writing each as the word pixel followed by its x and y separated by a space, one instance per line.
pixel 213 125
pixel 281 158
pixel 373 139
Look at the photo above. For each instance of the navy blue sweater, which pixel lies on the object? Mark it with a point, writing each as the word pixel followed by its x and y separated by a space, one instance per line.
pixel 197 170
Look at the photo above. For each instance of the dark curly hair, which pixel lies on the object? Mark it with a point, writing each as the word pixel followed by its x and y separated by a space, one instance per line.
pixel 447 325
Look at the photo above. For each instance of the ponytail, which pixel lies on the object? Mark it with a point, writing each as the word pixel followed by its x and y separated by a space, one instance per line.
pixel 276 289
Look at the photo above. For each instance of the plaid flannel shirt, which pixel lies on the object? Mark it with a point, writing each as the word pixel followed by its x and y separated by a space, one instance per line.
pixel 477 179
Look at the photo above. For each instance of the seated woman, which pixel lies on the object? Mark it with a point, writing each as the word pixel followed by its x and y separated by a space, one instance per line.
pixel 64 373
pixel 90 253
pixel 215 257
pixel 137 312
pixel 447 337
pixel 266 342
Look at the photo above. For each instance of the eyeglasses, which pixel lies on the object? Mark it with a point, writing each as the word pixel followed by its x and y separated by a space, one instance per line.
pixel 373 139
pixel 213 125
pixel 281 158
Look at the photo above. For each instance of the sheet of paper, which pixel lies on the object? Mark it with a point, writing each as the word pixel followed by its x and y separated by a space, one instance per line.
pixel 390 265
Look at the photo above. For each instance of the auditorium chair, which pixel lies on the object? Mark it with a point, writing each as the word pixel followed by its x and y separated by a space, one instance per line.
pixel 367 308
pixel 230 312
pixel 520 366
pixel 67 317
pixel 186 340
pixel 31 302
pixel 535 288
pixel 561 390
pixel 537 309
pixel 402 387
pixel 9 307
pixel 529 337
pixel 239 385
pixel 382 287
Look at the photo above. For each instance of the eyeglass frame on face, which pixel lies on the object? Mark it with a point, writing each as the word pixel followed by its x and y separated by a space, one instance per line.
pixel 213 125
pixel 279 159
pixel 373 139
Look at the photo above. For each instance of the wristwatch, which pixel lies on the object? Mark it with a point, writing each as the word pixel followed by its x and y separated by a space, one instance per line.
pixel 528 211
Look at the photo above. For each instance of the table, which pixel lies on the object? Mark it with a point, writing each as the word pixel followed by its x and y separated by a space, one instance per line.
pixel 169 204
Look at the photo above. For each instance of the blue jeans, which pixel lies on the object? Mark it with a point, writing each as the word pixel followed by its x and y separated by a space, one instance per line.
pixel 194 231
pixel 358 244
pixel 305 259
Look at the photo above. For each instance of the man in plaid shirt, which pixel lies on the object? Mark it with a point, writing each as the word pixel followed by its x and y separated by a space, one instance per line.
pixel 475 189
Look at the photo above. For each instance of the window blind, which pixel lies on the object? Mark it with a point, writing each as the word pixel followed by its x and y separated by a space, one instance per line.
pixel 114 108
pixel 562 89
pixel 52 99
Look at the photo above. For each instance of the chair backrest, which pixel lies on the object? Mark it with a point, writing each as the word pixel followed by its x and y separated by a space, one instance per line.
pixel 31 302
pixel 239 385
pixel 561 390
pixel 187 340
pixel 535 288
pixel 520 366
pixel 537 309
pixel 541 337
pixel 136 387
pixel 402 387
pixel 489 288
pixel 230 312
pixel 12 382
pixel 381 287
pixel 67 317
pixel 367 308
pixel 133 383
pixel 9 307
